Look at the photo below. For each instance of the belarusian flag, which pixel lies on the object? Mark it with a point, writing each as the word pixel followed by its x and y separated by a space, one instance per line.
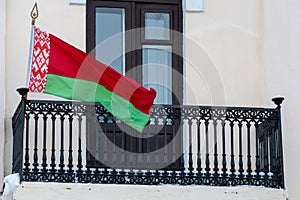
pixel 62 70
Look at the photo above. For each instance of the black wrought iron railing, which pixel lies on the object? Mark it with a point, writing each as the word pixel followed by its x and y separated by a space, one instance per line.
pixel 63 141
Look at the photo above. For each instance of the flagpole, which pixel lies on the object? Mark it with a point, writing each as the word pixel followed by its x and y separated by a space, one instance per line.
pixel 34 15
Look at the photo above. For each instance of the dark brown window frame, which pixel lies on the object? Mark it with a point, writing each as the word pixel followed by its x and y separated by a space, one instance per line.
pixel 135 20
pixel 132 21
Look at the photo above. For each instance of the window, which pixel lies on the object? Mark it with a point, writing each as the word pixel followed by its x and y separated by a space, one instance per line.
pixel 110 23
pixel 136 38
pixel 140 39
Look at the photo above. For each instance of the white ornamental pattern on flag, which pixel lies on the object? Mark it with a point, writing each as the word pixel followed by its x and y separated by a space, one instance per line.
pixel 40 61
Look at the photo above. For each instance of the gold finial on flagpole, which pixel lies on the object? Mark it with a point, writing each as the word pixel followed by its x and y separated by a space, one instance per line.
pixel 34 14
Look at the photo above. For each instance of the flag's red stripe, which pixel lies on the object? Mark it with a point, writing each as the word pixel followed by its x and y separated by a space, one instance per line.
pixel 66 60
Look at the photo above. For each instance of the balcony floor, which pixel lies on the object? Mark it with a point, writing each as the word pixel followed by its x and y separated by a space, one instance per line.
pixel 65 191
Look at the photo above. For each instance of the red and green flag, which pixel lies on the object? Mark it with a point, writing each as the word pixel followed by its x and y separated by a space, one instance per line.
pixel 62 70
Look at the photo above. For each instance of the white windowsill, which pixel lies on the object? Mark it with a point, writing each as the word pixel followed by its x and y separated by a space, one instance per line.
pixel 194 5
pixel 77 2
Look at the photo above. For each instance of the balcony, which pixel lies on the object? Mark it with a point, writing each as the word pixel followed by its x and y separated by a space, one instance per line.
pixel 79 142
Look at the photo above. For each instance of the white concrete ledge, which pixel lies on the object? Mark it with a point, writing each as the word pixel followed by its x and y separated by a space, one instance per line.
pixel 63 191
pixel 77 2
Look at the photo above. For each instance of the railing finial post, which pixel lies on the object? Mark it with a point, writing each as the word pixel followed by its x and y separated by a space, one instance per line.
pixel 278 101
pixel 23 92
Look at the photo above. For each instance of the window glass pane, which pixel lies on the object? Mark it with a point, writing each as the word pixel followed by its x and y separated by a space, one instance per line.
pixel 110 37
pixel 157 71
pixel 157 26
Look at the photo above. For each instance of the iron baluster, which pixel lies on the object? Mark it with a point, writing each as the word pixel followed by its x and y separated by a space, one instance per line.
pixel 114 157
pixel 26 163
pixel 35 150
pixel 182 161
pixel 62 158
pixel 224 161
pixel 232 162
pixel 266 154
pixel 165 156
pixel 148 166
pixel 241 169
pixel 156 144
pixel 79 157
pixel 165 147
pixel 131 153
pixel 190 168
pixel 44 156
pixel 53 159
pixel 273 167
pixel 216 164
pixel 105 138
pixel 257 154
pixel 88 139
pixel 174 168
pixel 207 162
pixel 123 161
pixel 70 157
pixel 249 170
pixel 199 168
pixel 139 155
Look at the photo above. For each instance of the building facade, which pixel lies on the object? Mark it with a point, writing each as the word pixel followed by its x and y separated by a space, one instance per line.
pixel 235 53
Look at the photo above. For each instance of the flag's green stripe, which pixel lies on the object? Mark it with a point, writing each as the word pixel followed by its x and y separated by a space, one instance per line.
pixel 76 89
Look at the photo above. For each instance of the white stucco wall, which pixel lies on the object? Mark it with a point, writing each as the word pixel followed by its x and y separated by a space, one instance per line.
pixel 229 35
pixel 2 84
pixel 29 191
pixel 57 17
pixel 281 77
